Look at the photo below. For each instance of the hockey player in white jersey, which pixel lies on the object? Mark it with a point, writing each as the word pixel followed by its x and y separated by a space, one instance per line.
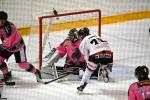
pixel 96 51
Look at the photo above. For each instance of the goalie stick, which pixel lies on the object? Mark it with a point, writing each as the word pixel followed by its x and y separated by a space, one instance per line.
pixel 62 76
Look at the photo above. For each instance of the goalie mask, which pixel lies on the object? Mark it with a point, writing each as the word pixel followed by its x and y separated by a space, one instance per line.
pixel 73 35
pixel 141 72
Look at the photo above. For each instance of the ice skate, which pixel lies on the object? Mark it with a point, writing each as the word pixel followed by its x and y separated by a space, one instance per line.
pixel 7 77
pixel 81 88
pixel 105 76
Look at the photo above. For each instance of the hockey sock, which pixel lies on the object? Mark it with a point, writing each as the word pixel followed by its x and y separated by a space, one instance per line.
pixel 86 76
pixel 28 67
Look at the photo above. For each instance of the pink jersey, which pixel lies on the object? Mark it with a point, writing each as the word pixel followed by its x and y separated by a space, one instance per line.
pixel 139 91
pixel 10 36
pixel 72 51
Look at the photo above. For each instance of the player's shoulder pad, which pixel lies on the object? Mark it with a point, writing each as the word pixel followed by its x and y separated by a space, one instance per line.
pixel 143 83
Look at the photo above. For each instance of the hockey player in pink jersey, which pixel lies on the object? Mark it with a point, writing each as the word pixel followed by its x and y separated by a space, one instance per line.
pixel 70 48
pixel 95 51
pixel 13 44
pixel 140 90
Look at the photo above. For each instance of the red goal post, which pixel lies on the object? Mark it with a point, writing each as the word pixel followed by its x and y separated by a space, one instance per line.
pixel 41 18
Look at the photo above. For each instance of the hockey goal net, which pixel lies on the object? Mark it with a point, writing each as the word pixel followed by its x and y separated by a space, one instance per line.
pixel 51 28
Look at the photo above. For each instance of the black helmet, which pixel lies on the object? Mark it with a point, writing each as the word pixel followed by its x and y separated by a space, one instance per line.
pixel 83 32
pixel 141 72
pixel 73 32
pixel 3 15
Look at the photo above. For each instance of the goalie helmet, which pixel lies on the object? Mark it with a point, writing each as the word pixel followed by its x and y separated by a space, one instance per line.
pixel 73 32
pixel 83 32
pixel 141 72
pixel 3 15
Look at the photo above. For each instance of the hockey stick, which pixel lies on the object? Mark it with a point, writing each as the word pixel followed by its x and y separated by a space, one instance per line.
pixel 62 76
pixel 60 73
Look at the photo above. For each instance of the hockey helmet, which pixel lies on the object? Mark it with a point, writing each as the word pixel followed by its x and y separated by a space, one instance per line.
pixel 83 32
pixel 141 72
pixel 3 15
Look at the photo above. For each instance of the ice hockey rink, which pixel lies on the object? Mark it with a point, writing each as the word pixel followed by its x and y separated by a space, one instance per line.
pixel 130 42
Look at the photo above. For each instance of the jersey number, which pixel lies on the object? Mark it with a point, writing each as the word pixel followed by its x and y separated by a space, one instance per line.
pixel 96 41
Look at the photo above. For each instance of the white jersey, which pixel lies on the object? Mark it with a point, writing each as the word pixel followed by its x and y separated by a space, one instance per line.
pixel 92 44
